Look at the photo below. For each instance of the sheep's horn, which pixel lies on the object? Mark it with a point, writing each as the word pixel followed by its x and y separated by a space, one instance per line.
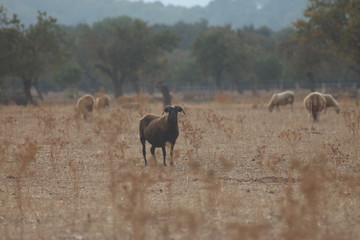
pixel 166 109
pixel 180 109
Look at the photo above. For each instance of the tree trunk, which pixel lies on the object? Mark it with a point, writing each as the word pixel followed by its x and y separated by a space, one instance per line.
pixel 114 76
pixel 218 81
pixel 135 83
pixel 239 87
pixel 118 87
pixel 255 89
pixel 312 84
pixel 36 86
pixel 27 91
pixel 165 92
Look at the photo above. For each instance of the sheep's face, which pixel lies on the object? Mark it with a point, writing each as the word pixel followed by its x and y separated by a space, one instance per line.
pixel 173 111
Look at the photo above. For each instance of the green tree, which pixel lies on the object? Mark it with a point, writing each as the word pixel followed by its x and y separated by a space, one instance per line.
pixel 219 53
pixel 32 51
pixel 120 47
pixel 90 77
pixel 306 52
pixel 331 30
pixel 68 75
pixel 267 69
pixel 9 40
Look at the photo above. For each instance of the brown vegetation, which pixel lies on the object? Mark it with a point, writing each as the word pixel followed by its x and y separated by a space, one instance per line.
pixel 239 173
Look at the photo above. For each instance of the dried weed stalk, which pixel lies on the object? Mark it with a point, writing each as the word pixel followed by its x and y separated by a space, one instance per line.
pixel 110 128
pixel 219 122
pixel 291 137
pixel 352 122
pixel 24 157
pixel 9 125
pixel 261 150
pixel 193 135
pixel 336 154
pixel 57 145
pixel 303 218
pixel 240 119
pixel 224 98
pixel 132 207
pixel 45 120
pixel 142 99
pixel 75 176
pixel 273 162
pixel 185 221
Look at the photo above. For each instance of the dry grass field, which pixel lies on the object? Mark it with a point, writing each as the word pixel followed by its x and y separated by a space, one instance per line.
pixel 239 172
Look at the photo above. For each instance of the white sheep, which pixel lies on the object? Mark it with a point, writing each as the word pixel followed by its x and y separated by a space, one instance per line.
pixel 102 102
pixel 282 98
pixel 331 102
pixel 315 103
pixel 85 105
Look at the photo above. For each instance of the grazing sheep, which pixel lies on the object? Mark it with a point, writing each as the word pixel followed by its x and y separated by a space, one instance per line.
pixel 102 102
pixel 158 130
pixel 85 105
pixel 331 102
pixel 282 98
pixel 315 103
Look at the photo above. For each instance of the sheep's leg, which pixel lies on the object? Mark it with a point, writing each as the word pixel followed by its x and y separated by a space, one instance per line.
pixel 171 153
pixel 152 150
pixel 143 141
pixel 315 116
pixel 164 154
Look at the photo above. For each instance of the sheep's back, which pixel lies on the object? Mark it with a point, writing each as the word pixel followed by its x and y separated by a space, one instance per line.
pixel 286 97
pixel 85 104
pixel 283 98
pixel 154 129
pixel 330 101
pixel 102 102
pixel 315 102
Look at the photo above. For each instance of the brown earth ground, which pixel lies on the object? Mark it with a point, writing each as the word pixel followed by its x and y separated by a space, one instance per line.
pixel 239 172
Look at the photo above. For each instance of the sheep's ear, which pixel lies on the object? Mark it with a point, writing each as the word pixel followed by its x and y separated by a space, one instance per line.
pixel 179 109
pixel 166 109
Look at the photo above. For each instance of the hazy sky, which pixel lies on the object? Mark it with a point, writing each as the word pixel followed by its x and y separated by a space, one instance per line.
pixel 185 3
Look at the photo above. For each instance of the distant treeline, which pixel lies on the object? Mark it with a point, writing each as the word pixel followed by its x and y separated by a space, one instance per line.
pixel 121 52
pixel 275 14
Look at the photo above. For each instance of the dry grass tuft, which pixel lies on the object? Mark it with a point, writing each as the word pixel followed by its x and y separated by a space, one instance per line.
pixel 45 120
pixel 223 98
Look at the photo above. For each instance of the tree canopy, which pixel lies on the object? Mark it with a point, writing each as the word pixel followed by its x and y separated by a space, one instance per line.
pixel 31 51
pixel 219 52
pixel 120 47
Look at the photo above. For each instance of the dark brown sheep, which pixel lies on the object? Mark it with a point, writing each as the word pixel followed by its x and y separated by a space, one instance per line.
pixel 158 130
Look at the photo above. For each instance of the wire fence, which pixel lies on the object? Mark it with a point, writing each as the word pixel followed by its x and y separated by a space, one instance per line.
pixel 207 90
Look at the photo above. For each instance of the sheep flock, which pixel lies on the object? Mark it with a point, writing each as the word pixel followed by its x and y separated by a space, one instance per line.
pixel 161 129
